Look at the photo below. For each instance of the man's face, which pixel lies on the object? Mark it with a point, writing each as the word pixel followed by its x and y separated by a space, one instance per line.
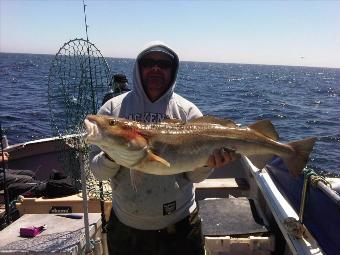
pixel 156 70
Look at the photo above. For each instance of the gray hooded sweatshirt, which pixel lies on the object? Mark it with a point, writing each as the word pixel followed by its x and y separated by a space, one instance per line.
pixel 159 200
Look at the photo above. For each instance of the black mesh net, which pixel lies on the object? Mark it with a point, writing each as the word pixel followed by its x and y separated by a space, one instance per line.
pixel 78 80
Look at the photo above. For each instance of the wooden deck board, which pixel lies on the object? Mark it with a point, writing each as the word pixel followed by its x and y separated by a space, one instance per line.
pixel 44 205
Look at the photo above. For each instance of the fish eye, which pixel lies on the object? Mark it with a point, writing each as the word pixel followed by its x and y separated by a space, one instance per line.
pixel 111 122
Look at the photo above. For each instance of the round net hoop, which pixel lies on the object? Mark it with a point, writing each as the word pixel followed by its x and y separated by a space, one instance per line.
pixel 78 80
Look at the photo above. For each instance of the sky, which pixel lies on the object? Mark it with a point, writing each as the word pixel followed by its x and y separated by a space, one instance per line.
pixel 295 33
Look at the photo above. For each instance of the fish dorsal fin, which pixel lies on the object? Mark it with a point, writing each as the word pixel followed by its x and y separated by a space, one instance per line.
pixel 214 120
pixel 172 121
pixel 266 128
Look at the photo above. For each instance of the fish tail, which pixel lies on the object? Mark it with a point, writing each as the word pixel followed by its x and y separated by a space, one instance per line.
pixel 298 161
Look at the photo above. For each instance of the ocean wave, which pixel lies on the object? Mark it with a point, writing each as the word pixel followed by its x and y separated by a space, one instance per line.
pixel 300 101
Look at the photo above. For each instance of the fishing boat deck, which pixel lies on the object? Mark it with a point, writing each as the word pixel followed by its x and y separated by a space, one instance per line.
pixel 239 181
pixel 62 235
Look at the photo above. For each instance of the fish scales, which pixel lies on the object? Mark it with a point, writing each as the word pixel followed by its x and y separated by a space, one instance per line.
pixel 231 137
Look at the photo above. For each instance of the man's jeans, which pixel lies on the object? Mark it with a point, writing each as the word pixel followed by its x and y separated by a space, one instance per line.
pixel 183 237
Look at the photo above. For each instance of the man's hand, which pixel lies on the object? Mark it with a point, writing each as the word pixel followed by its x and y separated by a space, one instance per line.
pixel 4 157
pixel 221 157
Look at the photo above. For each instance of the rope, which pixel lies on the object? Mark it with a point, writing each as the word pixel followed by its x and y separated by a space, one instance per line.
pixel 307 173
pixel 309 177
pixel 315 179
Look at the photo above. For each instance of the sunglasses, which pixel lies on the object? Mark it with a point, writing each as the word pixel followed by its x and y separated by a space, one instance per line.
pixel 161 63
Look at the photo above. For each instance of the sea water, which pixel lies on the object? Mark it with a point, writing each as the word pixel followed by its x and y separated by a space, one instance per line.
pixel 300 101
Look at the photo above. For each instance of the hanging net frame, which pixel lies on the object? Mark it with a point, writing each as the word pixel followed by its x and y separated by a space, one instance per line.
pixel 79 78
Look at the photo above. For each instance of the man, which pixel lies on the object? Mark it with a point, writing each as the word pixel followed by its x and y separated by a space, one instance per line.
pixel 161 216
pixel 119 84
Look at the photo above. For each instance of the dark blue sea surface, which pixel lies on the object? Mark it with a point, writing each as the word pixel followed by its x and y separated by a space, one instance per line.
pixel 300 101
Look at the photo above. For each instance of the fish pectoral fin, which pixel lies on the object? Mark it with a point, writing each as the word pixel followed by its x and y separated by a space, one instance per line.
pixel 153 157
pixel 260 161
pixel 266 128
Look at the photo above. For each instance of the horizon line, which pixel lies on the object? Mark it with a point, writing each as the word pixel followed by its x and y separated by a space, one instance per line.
pixel 196 61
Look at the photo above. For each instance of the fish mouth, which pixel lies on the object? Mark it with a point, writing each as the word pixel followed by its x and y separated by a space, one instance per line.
pixel 91 130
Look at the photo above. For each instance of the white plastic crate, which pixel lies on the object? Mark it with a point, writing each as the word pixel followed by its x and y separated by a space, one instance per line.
pixel 227 245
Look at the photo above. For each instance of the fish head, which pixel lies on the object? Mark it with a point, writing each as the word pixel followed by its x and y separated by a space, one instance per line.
pixel 113 133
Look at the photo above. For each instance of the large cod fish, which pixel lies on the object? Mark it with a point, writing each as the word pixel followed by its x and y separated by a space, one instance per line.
pixel 173 146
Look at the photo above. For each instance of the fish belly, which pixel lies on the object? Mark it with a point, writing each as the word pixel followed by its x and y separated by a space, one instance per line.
pixel 127 158
pixel 182 157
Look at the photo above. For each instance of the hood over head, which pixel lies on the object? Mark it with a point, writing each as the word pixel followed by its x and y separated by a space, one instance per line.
pixel 155 46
